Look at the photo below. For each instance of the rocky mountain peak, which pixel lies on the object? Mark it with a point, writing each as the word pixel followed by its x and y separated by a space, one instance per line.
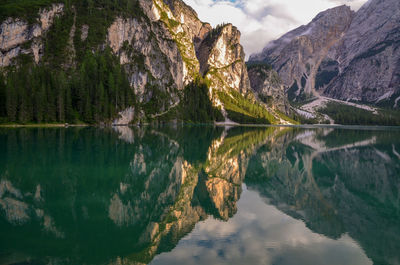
pixel 342 54
pixel 222 55
pixel 377 17
pixel 222 44
pixel 334 19
pixel 327 16
pixel 298 54
pixel 369 57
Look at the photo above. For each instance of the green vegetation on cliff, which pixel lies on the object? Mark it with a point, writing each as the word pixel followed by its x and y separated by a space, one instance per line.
pixel 244 110
pixel 197 105
pixel 27 9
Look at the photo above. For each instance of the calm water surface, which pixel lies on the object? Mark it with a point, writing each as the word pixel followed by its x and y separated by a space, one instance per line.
pixel 199 195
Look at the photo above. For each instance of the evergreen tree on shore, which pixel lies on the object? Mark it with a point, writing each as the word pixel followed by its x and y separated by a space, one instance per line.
pixel 39 94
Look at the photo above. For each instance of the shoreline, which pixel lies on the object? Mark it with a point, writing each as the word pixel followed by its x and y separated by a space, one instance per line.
pixel 45 125
pixel 219 124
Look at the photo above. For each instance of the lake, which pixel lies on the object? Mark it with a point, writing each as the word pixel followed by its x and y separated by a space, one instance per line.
pixel 200 195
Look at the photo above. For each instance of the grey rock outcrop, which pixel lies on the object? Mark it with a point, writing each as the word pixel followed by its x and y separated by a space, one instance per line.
pixel 342 54
pixel 15 32
pixel 297 55
pixel 222 60
pixel 268 87
pixel 369 55
pixel 150 56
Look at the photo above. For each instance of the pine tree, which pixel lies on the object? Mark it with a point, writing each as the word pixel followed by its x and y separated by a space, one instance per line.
pixel 3 109
pixel 69 112
pixel 23 103
pixel 51 112
pixel 11 99
pixel 61 88
pixel 82 92
pixel 87 115
pixel 112 94
pixel 40 103
pixel 100 103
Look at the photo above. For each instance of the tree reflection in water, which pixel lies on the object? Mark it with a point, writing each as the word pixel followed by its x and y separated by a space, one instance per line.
pixel 126 195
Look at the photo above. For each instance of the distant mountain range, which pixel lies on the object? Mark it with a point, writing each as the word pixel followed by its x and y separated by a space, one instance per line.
pixel 343 55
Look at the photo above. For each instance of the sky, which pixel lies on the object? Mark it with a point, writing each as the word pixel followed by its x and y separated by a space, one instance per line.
pixel 261 21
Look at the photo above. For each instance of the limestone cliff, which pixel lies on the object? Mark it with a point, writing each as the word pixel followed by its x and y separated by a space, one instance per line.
pixel 343 55
pixel 222 60
pixel 268 87
pixel 162 46
pixel 298 54
pixel 368 56
pixel 19 37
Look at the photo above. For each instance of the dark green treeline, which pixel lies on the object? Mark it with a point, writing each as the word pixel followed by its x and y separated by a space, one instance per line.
pixel 89 87
pixel 39 94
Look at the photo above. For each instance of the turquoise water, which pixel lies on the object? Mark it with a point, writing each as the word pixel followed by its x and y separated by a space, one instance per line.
pixel 199 195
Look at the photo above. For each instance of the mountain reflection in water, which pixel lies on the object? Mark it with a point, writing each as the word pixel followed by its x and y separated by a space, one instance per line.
pixel 199 195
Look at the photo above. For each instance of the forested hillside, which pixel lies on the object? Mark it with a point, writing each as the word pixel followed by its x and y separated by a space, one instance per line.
pixel 91 94
pixel 92 88
pixel 120 61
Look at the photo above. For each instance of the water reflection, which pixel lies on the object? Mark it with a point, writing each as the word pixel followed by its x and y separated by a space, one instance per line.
pixel 199 195
pixel 260 234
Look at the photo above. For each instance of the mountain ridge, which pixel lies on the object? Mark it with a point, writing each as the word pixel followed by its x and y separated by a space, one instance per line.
pixel 346 56
pixel 162 50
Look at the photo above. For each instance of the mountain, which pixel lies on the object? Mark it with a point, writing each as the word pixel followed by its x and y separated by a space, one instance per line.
pixel 297 55
pixel 268 87
pixel 370 51
pixel 342 55
pixel 131 61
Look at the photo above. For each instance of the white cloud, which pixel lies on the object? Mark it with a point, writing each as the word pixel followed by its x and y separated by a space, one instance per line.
pixel 261 21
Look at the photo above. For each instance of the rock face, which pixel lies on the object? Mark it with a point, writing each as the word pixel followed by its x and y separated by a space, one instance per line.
pixel 298 54
pixel 369 55
pixel 222 60
pixel 267 85
pixel 150 60
pixel 16 32
pixel 162 47
pixel 182 48
pixel 342 54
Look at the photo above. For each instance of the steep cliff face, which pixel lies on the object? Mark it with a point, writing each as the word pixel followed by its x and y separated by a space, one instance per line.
pixel 19 37
pixel 342 55
pixel 222 60
pixel 150 56
pixel 268 87
pixel 298 54
pixel 369 56
pixel 162 46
